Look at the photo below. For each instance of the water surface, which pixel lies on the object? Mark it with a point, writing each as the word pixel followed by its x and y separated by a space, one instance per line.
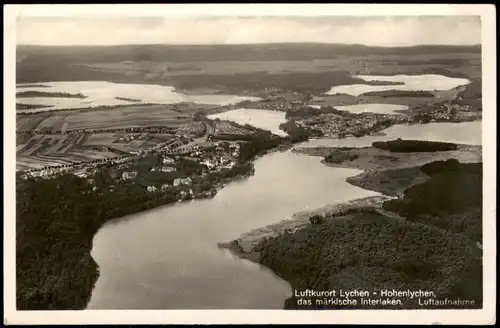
pixel 168 258
pixel 264 119
pixel 426 82
pixel 102 93
pixel 372 108
pixel 469 133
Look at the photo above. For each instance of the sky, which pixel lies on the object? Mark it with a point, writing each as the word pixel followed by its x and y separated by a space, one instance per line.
pixel 387 31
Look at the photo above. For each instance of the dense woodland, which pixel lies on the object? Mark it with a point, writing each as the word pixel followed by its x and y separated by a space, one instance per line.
pixel 399 93
pixel 451 199
pixel 414 146
pixel 435 249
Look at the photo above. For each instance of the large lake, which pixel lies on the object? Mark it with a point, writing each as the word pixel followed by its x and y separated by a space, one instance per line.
pixel 426 82
pixel 101 93
pixel 168 258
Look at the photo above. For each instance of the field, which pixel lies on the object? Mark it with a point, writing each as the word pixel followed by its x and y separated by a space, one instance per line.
pixel 227 128
pixel 105 119
pixel 42 150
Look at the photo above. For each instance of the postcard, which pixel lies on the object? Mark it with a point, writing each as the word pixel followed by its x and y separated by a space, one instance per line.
pixel 249 163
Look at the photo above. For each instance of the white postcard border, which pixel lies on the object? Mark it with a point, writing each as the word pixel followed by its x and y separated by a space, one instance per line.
pixel 484 316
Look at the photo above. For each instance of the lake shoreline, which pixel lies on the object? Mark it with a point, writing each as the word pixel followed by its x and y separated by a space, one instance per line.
pixel 249 245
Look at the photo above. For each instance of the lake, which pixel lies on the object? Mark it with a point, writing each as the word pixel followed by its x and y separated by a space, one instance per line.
pixel 462 133
pixel 101 93
pixel 168 258
pixel 372 108
pixel 426 82
pixel 263 119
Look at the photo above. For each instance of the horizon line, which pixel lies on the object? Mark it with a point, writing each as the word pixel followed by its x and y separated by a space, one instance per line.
pixel 248 44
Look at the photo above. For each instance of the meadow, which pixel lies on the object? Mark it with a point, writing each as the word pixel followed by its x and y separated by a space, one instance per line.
pixel 41 150
pixel 108 119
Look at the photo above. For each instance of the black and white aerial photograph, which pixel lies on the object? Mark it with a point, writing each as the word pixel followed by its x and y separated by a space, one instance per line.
pixel 250 162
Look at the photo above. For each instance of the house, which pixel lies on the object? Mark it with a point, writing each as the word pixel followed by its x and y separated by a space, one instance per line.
pixel 209 163
pixel 165 186
pixel 168 169
pixel 127 175
pixel 177 182
pixel 151 188
pixel 168 160
pixel 187 181
pixel 229 165
pixel 225 159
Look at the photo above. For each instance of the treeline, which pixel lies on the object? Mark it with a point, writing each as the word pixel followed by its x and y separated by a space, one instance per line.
pixel 307 111
pixel 399 93
pixel 297 133
pixel 412 146
pixel 340 157
pixel 260 143
pixel 27 106
pixel 31 94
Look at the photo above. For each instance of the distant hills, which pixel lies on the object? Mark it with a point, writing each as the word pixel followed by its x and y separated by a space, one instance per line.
pixel 243 52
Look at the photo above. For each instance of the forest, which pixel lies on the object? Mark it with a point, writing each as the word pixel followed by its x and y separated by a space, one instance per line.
pixel 435 248
pixel 368 251
pixel 451 199
pixel 414 146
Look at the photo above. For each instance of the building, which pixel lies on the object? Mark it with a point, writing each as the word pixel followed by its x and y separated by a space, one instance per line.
pixel 209 163
pixel 151 188
pixel 229 165
pixel 187 181
pixel 127 175
pixel 168 160
pixel 168 169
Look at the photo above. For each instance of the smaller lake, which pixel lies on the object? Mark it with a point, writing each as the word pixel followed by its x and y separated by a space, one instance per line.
pixel 426 82
pixel 372 108
pixel 101 93
pixel 469 133
pixel 262 119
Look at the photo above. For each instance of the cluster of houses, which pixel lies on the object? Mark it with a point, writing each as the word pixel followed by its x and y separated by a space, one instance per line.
pixel 215 157
pixel 222 158
pixel 280 103
pixel 338 126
